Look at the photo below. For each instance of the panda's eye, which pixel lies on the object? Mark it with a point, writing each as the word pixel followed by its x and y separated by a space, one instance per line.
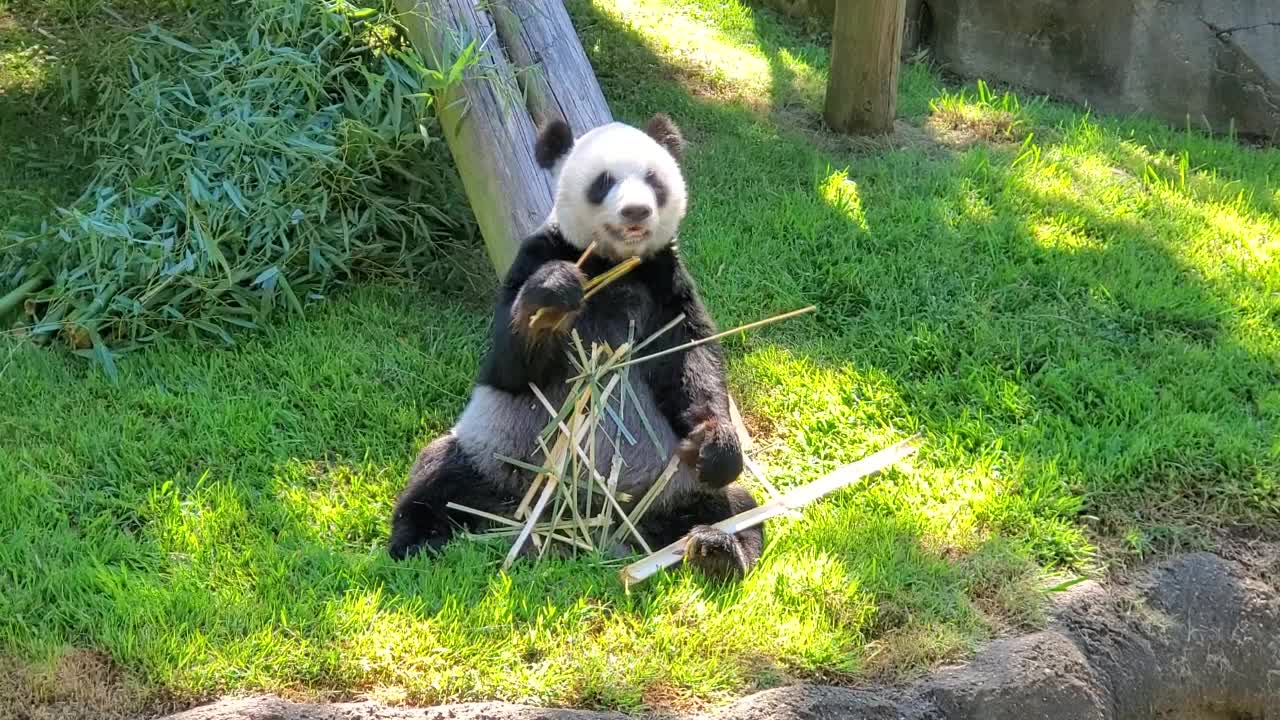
pixel 600 188
pixel 659 188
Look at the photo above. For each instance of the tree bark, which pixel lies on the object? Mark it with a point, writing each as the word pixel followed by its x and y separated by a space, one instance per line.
pixel 866 46
pixel 531 69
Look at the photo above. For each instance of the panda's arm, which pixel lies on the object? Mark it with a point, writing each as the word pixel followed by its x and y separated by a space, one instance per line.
pixel 690 386
pixel 539 277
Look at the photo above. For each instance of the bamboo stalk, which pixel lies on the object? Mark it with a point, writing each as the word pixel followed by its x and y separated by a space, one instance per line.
pixel 529 495
pixel 618 356
pixel 744 439
pixel 602 280
pixel 594 475
pixel 606 511
pixel 554 536
pixel 792 500
pixel 582 259
pixel 660 332
pixel 14 298
pixel 717 336
pixel 533 518
pixel 512 525
pixel 556 515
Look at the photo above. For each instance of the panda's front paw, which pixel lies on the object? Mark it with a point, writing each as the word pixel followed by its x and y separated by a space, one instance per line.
pixel 550 298
pixel 557 285
pixel 713 449
pixel 715 553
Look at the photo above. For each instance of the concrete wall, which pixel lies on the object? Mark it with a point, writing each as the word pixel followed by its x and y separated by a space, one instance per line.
pixel 1213 62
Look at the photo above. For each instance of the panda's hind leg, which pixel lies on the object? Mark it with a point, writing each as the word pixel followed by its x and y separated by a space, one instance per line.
pixel 442 473
pixel 715 553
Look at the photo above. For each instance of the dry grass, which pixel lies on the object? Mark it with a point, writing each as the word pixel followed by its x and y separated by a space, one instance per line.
pixel 78 685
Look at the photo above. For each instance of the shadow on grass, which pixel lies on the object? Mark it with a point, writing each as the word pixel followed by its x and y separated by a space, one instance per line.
pixel 42 164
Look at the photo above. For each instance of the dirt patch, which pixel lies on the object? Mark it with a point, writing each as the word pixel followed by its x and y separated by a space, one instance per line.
pixel 1196 637
pixel 78 684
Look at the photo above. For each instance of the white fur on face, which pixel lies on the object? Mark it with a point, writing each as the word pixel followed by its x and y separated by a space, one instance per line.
pixel 628 155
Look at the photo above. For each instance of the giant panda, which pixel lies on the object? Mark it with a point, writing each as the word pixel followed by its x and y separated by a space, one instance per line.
pixel 622 187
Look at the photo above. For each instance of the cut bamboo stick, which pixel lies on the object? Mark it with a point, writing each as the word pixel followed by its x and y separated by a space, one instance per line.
pixel 792 500
pixel 582 260
pixel 533 519
pixel 747 444
pixel 599 282
pixel 717 336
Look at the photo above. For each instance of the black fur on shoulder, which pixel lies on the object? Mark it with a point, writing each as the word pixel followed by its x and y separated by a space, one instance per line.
pixel 663 129
pixel 554 141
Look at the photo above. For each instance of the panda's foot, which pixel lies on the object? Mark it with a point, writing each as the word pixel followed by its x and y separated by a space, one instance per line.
pixel 715 553
pixel 407 541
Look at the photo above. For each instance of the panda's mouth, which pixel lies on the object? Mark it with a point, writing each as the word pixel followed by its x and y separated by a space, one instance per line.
pixel 628 233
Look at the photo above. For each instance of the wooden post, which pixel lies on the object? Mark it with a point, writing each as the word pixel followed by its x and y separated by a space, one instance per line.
pixel 531 68
pixel 862 86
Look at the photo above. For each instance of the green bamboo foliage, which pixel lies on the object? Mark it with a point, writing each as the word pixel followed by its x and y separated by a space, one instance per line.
pixel 239 177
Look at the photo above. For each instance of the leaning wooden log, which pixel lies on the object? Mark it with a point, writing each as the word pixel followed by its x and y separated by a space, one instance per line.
pixel 792 500
pixel 531 68
pixel 554 73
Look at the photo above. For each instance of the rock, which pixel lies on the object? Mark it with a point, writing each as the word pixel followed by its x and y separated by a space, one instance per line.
pixel 273 708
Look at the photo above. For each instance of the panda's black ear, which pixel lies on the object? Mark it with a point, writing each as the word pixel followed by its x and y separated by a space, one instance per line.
pixel 664 130
pixel 554 141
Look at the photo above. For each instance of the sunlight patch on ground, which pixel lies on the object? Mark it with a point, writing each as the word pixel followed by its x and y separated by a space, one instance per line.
pixel 725 57
pixel 842 193
pixel 26 64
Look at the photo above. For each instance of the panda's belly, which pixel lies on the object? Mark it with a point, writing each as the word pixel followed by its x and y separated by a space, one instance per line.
pixel 496 422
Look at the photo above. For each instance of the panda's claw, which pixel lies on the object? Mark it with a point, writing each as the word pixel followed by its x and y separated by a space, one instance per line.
pixel 712 448
pixel 714 552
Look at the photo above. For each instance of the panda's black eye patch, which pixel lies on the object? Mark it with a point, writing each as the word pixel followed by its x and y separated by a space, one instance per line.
pixel 600 188
pixel 659 188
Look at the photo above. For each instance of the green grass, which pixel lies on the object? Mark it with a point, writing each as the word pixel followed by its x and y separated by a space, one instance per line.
pixel 1078 314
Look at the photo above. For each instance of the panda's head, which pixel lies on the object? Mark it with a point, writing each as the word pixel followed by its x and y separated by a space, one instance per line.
pixel 617 185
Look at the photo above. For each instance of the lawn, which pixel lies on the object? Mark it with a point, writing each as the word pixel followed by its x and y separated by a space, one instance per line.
pixel 1079 315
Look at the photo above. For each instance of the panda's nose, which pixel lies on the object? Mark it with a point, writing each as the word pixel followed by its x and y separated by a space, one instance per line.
pixel 636 213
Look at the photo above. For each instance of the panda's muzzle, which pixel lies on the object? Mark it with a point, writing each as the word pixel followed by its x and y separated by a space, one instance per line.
pixel 632 233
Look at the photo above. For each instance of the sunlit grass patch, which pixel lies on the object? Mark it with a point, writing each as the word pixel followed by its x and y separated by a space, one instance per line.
pixel 986 116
